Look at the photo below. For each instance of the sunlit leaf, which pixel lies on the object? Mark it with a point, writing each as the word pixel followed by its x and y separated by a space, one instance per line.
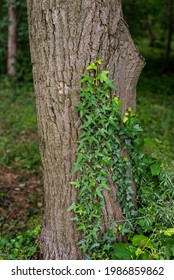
pixel 169 232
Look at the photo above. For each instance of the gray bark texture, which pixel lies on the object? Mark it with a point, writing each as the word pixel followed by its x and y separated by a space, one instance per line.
pixel 65 36
pixel 11 57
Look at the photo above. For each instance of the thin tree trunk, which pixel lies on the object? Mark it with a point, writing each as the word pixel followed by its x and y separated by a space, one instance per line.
pixel 148 25
pixel 0 9
pixel 11 56
pixel 170 31
pixel 65 36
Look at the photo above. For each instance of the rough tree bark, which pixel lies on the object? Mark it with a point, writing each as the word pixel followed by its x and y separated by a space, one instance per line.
pixel 65 36
pixel 11 56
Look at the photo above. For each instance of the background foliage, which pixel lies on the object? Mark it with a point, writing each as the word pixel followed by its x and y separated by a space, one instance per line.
pixel 23 64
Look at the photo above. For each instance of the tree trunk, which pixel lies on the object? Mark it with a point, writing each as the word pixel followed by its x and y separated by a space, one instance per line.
pixel 11 56
pixel 0 9
pixel 148 25
pixel 170 31
pixel 65 36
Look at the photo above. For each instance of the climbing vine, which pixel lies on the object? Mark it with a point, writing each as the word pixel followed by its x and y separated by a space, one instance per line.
pixel 109 145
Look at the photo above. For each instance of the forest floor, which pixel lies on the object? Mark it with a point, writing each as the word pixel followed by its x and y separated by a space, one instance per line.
pixel 21 188
pixel 21 201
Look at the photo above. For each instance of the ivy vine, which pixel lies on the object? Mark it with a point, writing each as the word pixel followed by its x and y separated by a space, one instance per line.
pixel 109 143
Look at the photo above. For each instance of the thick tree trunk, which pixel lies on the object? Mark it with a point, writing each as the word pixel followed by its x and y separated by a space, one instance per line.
pixel 11 57
pixel 65 36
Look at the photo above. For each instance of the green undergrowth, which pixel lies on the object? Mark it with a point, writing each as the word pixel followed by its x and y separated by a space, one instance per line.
pixel 113 147
pixel 20 246
pixel 18 129
pixel 18 238
pixel 19 155
pixel 155 103
pixel 155 109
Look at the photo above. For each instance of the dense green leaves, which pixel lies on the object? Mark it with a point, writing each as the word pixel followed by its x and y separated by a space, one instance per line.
pixel 21 246
pixel 110 147
pixel 105 138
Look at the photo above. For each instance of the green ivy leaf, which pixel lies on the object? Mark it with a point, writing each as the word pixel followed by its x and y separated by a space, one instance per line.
pixel 116 101
pixel 125 119
pixel 138 128
pixel 105 186
pixel 102 77
pixel 72 207
pixel 98 192
pixel 86 78
pixel 92 66
pixel 94 246
pixel 99 61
